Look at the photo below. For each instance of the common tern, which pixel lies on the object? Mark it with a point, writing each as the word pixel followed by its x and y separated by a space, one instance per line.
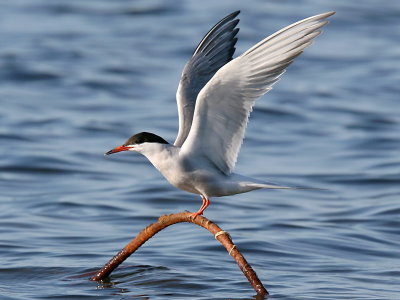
pixel 215 97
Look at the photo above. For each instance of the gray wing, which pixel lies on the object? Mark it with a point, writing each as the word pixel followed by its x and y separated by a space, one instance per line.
pixel 224 104
pixel 214 51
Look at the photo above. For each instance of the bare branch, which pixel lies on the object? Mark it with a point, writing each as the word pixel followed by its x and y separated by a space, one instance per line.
pixel 164 221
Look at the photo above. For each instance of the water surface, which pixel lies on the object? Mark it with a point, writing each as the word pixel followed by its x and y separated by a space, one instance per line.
pixel 79 77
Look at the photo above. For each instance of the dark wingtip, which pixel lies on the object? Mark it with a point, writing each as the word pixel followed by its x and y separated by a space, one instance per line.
pixel 229 18
pixel 235 13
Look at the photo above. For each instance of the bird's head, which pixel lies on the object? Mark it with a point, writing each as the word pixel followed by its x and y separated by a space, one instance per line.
pixel 139 142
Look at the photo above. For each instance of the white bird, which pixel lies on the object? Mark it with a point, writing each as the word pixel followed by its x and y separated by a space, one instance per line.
pixel 215 97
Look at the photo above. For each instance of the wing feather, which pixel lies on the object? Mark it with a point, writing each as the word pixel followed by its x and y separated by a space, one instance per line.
pixel 214 50
pixel 224 104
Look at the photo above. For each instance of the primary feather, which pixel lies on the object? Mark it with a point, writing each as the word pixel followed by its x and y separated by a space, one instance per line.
pixel 214 50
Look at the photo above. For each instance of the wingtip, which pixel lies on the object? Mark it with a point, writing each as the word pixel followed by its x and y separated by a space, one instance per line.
pixel 229 19
pixel 235 13
pixel 232 15
pixel 328 14
pixel 319 17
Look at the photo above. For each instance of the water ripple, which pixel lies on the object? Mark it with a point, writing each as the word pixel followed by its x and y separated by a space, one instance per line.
pixel 79 77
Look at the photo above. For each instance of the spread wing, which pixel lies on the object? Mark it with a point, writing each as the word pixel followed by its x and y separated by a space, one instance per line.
pixel 224 104
pixel 214 50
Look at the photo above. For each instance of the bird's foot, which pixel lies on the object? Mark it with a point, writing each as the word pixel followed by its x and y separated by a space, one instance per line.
pixel 197 213
pixel 206 203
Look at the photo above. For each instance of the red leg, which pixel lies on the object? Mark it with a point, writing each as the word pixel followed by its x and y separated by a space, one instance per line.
pixel 206 203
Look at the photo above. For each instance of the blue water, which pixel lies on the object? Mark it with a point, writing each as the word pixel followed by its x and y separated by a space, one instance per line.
pixel 79 77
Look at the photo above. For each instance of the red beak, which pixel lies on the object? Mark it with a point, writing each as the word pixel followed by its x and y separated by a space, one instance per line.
pixel 117 149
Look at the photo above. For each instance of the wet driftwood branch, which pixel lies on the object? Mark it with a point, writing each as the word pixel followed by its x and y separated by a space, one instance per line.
pixel 167 220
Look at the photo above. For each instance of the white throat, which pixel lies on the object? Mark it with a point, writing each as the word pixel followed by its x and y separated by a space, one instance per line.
pixel 160 155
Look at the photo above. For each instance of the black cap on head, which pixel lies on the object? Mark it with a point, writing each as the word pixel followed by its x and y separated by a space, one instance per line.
pixel 145 137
